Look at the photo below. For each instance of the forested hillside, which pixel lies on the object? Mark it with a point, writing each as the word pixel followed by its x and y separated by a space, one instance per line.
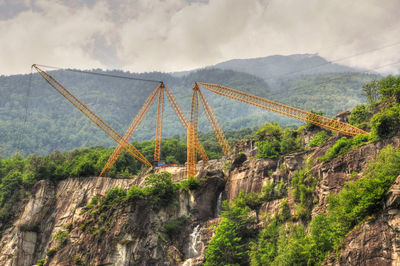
pixel 34 118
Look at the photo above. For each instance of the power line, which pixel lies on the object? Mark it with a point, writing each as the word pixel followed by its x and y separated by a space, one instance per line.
pixel 101 74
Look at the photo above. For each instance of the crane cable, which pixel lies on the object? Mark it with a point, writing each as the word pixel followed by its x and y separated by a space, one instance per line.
pixel 25 119
pixel 100 74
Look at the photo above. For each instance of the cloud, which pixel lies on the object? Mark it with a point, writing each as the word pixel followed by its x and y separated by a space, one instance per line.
pixel 52 34
pixel 174 35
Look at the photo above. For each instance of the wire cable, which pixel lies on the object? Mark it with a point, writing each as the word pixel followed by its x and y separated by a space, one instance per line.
pixel 100 74
pixel 25 119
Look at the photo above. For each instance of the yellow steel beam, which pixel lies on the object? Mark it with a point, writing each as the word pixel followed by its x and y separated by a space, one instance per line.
pixel 214 124
pixel 132 128
pixel 157 148
pixel 289 111
pixel 92 116
pixel 182 118
pixel 191 153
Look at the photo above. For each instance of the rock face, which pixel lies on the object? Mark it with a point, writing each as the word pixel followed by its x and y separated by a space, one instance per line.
pixel 131 233
pixel 377 241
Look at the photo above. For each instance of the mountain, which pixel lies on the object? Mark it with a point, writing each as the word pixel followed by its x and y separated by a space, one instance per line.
pixel 34 118
pixel 272 68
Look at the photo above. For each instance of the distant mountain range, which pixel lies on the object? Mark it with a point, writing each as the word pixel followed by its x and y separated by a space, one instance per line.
pixel 304 81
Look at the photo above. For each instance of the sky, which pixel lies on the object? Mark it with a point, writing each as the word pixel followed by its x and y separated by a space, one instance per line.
pixel 178 35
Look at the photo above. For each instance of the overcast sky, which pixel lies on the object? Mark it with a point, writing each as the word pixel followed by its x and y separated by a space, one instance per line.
pixel 176 35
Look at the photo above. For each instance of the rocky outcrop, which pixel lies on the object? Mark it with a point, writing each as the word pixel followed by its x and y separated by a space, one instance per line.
pixel 333 174
pixel 377 240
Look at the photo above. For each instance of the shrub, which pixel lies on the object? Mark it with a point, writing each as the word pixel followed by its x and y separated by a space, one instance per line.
pixel 79 261
pixel 386 123
pixel 319 139
pixel 230 242
pixel 114 195
pixel 62 238
pixel 341 146
pixel 41 262
pixel 174 227
pixel 51 252
pixel 359 115
pixel 135 193
pixel 190 184
pixel 271 191
pixel 389 89
pixel 160 189
pixel 267 149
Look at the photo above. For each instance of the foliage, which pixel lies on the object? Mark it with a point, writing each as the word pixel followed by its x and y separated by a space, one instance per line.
pixel 62 238
pixel 41 262
pixel 189 184
pixel 389 89
pixel 135 193
pixel 288 244
pixel 273 141
pixel 312 126
pixel 230 242
pixel 112 196
pixel 79 261
pixel 272 191
pixel 160 189
pixel 386 123
pixel 51 252
pixel 359 115
pixel 173 227
pixel 319 139
pixel 303 188
pixel 340 147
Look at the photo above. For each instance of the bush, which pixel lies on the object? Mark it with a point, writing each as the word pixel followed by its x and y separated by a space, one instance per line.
pixel 62 238
pixel 271 191
pixel 135 193
pixel 174 227
pixel 51 252
pixel 386 123
pixel 41 262
pixel 114 195
pixel 359 115
pixel 319 139
pixel 160 189
pixel 341 146
pixel 389 89
pixel 190 184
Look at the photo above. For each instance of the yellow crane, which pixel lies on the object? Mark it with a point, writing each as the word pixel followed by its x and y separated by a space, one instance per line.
pixel 92 116
pixel 159 90
pixel 289 111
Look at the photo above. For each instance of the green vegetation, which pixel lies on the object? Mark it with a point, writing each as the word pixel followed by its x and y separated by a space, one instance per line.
pixel 273 141
pixel 303 188
pixel 189 184
pixel 173 227
pixel 343 145
pixel 360 116
pixel 289 244
pixel 237 228
pixel 41 262
pixel 62 238
pixel 79 261
pixel 386 123
pixel 319 139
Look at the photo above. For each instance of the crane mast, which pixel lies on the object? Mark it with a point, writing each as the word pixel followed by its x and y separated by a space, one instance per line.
pixel 157 148
pixel 132 128
pixel 92 116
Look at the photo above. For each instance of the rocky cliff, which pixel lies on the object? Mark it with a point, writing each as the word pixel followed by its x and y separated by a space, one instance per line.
pixel 55 223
